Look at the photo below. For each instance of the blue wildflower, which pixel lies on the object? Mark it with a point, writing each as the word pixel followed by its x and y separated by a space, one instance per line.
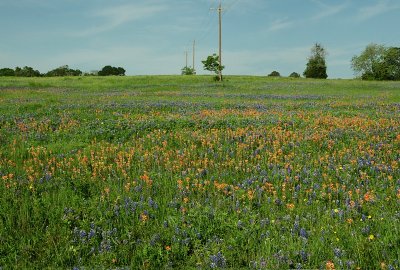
pixel 218 260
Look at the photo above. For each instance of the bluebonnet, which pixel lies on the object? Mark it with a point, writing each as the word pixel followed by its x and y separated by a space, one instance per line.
pixel 337 252
pixel 218 260
pixel 303 233
pixel 303 255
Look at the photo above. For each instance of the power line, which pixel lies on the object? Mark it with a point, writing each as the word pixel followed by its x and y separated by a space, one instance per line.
pixel 229 7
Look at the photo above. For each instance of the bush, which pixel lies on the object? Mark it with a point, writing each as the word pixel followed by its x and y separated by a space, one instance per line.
pixel 63 71
pixel 294 75
pixel 274 74
pixel 109 71
pixel 188 71
pixel 7 72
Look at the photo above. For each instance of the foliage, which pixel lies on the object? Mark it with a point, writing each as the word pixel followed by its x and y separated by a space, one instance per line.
pixel 176 172
pixel 188 71
pixel 391 64
pixel 212 64
pixel 366 63
pixel 378 62
pixel 294 75
pixel 316 66
pixel 274 74
pixel 7 72
pixel 63 71
pixel 109 70
pixel 26 72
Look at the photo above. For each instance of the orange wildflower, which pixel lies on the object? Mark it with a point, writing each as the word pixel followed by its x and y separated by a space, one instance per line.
pixel 330 265
pixel 145 178
pixel 168 248
pixel 290 206
pixel 368 197
pixel 349 221
pixel 144 217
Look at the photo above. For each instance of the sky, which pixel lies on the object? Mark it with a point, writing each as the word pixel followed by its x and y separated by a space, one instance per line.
pixel 151 36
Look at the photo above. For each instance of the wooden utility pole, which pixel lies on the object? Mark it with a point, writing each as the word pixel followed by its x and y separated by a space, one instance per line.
pixel 220 39
pixel 186 53
pixel 219 9
pixel 194 51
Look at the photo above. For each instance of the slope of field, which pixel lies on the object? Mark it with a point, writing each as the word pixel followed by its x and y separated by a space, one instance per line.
pixel 170 172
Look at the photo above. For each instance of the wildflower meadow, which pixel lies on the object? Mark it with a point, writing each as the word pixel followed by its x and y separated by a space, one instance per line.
pixel 180 172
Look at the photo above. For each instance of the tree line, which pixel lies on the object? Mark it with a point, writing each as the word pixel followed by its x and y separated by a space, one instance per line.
pixel 376 62
pixel 61 72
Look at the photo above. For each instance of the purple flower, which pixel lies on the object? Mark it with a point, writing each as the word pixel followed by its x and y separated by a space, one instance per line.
pixel 303 233
pixel 92 233
pixel 303 255
pixel 218 260
pixel 337 252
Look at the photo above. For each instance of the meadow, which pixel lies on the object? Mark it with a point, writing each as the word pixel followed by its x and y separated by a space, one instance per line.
pixel 179 172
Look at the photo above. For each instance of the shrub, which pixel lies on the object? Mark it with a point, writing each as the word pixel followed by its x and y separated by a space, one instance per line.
pixel 294 75
pixel 274 74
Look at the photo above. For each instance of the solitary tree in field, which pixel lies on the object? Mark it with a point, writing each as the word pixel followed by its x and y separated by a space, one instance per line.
pixel 212 64
pixel 316 66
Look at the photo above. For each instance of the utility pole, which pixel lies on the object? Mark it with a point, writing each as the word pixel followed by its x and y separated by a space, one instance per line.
pixel 186 53
pixel 219 9
pixel 194 50
pixel 220 39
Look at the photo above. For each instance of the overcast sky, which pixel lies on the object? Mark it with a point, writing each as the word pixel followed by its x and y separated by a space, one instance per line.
pixel 151 36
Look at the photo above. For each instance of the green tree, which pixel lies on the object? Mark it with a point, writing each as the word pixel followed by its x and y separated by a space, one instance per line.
pixel 7 72
pixel 316 66
pixel 109 71
pixel 188 71
pixel 274 74
pixel 377 62
pixel 26 72
pixel 393 61
pixel 212 64
pixel 389 68
pixel 367 64
pixel 63 71
pixel 294 75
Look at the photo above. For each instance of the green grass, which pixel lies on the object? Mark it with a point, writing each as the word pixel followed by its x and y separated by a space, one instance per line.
pixel 180 172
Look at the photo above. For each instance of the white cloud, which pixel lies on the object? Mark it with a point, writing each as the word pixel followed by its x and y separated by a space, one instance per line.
pixel 112 17
pixel 329 11
pixel 379 8
pixel 280 24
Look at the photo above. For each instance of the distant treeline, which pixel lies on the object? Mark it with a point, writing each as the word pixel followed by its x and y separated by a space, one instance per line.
pixel 60 72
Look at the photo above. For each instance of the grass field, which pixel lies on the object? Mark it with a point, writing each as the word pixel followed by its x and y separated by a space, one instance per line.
pixel 173 172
